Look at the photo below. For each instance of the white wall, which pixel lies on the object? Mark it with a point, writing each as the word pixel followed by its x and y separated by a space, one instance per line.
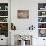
pixel 23 24
pixel 32 6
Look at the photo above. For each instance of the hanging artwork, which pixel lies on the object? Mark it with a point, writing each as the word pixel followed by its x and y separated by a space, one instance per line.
pixel 42 32
pixel 22 14
pixel 13 27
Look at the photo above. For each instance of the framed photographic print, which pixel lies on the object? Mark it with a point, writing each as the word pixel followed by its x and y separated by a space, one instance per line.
pixel 41 19
pixel 13 27
pixel 3 13
pixel 3 19
pixel 41 6
pixel 22 14
pixel 41 25
pixel 4 29
pixel 42 32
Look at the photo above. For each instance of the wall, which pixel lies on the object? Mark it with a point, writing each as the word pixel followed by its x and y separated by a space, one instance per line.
pixel 23 24
pixel 21 5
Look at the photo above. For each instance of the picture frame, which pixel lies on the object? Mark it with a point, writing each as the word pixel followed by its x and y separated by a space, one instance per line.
pixel 23 14
pixel 42 33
